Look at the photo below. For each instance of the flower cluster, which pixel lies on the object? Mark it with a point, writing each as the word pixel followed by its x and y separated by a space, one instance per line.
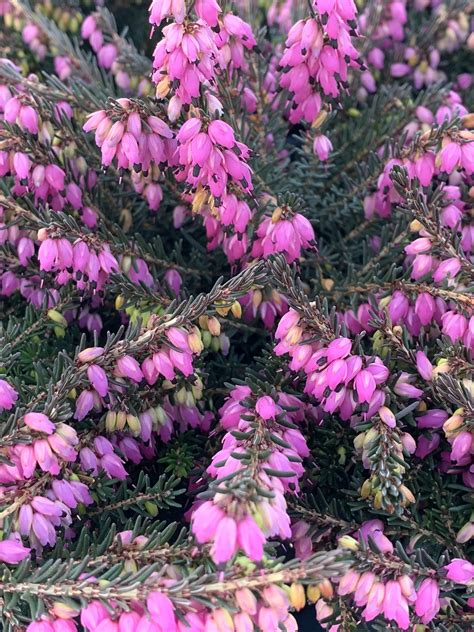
pixel 318 54
pixel 239 519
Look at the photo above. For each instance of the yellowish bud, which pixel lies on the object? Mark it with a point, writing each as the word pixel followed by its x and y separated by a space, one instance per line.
pixel 151 508
pixel 214 326
pixel 236 309
pixel 110 421
pixel 222 311
pixel 416 226
pixel 348 542
pixel 195 341
pixel 162 88
pixel 326 588
pixel 327 284
pixel 276 215
pixel 313 593
pixel 297 596
pixel 257 298
pixel 319 120
pixel 366 489
pixel 199 200
pixel 134 424
pixel 57 317
pixel 121 420
pixel 378 500
pixel 359 440
pixel 407 494
pixel 203 322
pixel 453 423
pixel 126 264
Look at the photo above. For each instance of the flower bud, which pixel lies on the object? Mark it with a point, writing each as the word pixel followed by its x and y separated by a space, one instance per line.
pixel 348 542
pixel 195 341
pixel 151 508
pixel 111 421
pixel 121 420
pixel 57 317
pixel 236 309
pixel 134 424
pixel 246 600
pixel 90 354
pixel 214 326
pixel 326 588
pixel 297 596
pixel 407 494
pixel 453 423
pixel 366 489
pixel 313 593
pixel 126 264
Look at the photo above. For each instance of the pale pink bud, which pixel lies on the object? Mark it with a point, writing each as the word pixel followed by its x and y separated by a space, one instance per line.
pixel 12 552
pixel 90 354
pixel 266 407
pixel 387 416
pixel 322 147
pixel 39 422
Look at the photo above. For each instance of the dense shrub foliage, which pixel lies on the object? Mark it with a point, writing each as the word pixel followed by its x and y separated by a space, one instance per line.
pixel 236 281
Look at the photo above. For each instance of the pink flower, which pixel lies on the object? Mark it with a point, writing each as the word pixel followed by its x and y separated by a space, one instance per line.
pixel 250 538
pixel 266 407
pixel 8 396
pixel 365 385
pixel 205 521
pixel 84 404
pixel 39 422
pixel 93 614
pixel 161 610
pixel 322 146
pixel 375 602
pixel 225 540
pixel 12 552
pixel 424 366
pixel 460 571
pixel 98 379
pixel 447 268
pixel 461 445
pixel 387 416
pixel 128 622
pixel 427 601
pixel 395 605
pixel 40 626
pixel 450 156
pixel 129 367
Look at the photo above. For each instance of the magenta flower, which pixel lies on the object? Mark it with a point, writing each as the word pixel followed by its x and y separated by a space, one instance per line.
pixel 129 367
pixel 161 610
pixel 424 366
pixel 250 538
pixel 39 422
pixel 266 407
pixel 460 571
pixel 8 396
pixel 12 552
pixel 427 600
pixel 225 540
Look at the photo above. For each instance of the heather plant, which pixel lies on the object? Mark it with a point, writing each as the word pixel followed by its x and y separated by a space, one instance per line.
pixel 237 315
